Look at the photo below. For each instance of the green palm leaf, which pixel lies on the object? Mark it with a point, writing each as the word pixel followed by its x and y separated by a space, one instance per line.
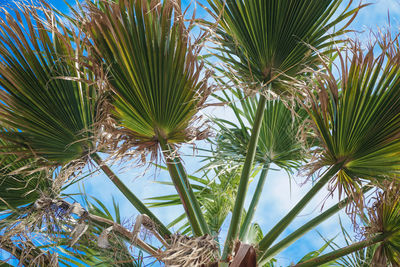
pixel 384 218
pixel 316 253
pixel 18 189
pixel 264 40
pixel 50 96
pixel 153 69
pixel 357 119
pixel 279 141
pixel 156 82
pixel 44 95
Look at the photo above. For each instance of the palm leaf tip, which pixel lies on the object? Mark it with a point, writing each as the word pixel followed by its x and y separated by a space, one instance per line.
pixel 157 83
pixel 357 119
pixel 384 218
pixel 46 96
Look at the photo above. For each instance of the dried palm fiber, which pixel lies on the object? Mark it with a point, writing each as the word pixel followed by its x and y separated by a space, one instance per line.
pixel 190 251
pixel 23 249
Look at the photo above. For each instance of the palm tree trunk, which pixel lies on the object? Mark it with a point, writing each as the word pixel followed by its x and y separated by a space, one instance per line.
pixel 129 195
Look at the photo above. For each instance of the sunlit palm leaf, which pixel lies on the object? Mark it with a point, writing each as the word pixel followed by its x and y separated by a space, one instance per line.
pixel 264 40
pixel 357 120
pixel 42 95
pixel 153 69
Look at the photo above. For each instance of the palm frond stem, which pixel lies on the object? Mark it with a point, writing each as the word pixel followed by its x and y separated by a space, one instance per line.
pixel 129 195
pixel 277 230
pixel 182 189
pixel 196 206
pixel 290 239
pixel 254 202
pixel 336 254
pixel 244 179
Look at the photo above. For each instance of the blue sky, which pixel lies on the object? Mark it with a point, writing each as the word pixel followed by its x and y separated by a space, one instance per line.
pixel 277 199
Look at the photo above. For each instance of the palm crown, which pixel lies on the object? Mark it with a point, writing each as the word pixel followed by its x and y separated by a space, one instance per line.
pixel 57 107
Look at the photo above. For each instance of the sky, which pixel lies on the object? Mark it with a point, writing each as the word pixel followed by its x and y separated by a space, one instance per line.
pixel 277 199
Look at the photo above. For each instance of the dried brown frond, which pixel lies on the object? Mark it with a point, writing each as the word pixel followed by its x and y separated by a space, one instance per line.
pixel 22 248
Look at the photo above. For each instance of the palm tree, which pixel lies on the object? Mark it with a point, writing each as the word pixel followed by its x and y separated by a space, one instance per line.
pixel 361 106
pixel 129 79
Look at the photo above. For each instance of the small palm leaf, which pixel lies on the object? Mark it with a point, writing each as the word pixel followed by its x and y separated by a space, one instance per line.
pixel 153 68
pixel 357 120
pixel 280 140
pixel 44 95
pixel 316 253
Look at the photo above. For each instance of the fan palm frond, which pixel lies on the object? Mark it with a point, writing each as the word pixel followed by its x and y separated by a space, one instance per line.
pixel 157 81
pixel 266 40
pixel 357 120
pixel 280 141
pixel 45 91
pixel 384 218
